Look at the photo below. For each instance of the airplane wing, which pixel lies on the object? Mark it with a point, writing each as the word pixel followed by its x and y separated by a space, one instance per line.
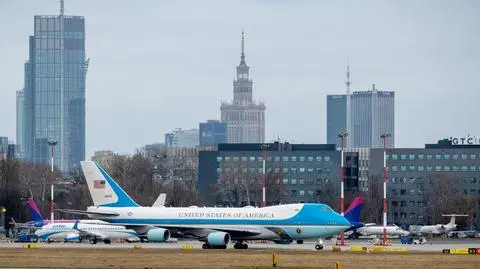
pixel 95 213
pixel 15 224
pixel 232 230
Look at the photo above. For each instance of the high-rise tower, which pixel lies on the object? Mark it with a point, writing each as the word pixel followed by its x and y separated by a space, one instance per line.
pixel 364 115
pixel 54 92
pixel 245 118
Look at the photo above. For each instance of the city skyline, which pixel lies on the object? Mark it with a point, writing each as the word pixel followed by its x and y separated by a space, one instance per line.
pixel 295 63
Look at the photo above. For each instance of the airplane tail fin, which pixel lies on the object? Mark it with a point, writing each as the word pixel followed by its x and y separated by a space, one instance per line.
pixel 160 202
pixel 35 212
pixel 75 226
pixel 103 189
pixel 353 212
pixel 452 219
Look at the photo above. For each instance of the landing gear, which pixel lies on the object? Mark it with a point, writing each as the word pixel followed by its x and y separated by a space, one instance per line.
pixel 299 241
pixel 49 240
pixel 208 246
pixel 240 245
pixel 319 245
pixel 107 241
pixel 93 241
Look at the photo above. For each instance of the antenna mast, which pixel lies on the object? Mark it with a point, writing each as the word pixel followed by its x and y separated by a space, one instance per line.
pixel 348 82
pixel 62 7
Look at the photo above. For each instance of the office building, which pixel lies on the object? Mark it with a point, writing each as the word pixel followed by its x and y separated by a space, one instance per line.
pixel 54 92
pixel 373 114
pixel 336 118
pixel 20 123
pixel 364 115
pixel 306 172
pixel 212 132
pixel 103 157
pixel 182 138
pixel 411 172
pixel 244 117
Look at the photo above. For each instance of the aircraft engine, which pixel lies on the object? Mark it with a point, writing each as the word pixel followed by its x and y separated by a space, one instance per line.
pixel 218 239
pixel 158 235
pixel 72 237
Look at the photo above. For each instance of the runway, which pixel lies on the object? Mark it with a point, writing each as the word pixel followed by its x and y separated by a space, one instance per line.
pixel 431 246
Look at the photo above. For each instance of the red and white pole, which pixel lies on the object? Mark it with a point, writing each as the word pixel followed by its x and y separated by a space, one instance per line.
pixel 264 155
pixel 384 136
pixel 52 202
pixel 342 197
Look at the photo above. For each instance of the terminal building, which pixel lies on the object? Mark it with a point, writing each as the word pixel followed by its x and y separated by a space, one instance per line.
pixel 417 178
pixel 305 172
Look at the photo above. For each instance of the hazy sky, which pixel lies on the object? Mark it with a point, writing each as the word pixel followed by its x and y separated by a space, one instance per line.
pixel 158 65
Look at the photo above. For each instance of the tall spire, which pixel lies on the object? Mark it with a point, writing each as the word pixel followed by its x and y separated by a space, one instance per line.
pixel 242 58
pixel 62 9
pixel 348 82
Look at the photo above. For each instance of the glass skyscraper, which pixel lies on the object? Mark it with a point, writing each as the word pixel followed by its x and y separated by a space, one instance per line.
pixel 372 114
pixel 336 117
pixel 54 92
pixel 213 132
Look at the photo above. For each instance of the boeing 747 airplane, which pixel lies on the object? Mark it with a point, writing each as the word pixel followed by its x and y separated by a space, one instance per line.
pixel 214 226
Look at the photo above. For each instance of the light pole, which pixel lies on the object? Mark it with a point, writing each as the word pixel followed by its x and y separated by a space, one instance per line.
pixel 52 145
pixel 342 136
pixel 384 137
pixel 264 155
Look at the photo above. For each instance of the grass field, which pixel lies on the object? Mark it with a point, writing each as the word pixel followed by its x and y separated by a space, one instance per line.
pixel 164 258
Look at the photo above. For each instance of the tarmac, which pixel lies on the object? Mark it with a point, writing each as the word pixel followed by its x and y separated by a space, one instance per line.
pixel 431 246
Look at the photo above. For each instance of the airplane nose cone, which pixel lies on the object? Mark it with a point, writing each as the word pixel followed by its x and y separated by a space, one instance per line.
pixel 342 221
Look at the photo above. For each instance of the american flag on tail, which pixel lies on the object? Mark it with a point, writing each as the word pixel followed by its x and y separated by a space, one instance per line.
pixel 99 184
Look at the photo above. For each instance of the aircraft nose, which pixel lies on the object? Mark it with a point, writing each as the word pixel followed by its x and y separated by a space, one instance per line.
pixel 341 220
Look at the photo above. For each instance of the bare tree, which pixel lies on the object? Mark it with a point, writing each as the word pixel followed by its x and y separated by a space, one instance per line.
pixel 373 200
pixel 443 196
pixel 238 186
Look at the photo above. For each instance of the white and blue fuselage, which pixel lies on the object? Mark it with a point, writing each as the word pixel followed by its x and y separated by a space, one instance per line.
pixel 293 221
pixel 215 225
pixel 70 232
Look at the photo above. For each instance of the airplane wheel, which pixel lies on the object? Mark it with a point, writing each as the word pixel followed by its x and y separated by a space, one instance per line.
pixel 318 247
pixel 245 246
pixel 299 242
pixel 106 241
pixel 205 246
pixel 93 241
pixel 49 241
pixel 224 247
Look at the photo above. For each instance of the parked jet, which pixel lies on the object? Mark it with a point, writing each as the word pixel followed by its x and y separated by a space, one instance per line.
pixel 214 226
pixel 392 230
pixel 77 231
pixel 441 228
pixel 359 228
